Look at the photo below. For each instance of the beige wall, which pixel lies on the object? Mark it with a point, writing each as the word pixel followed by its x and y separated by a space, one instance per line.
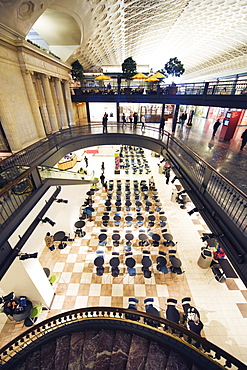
pixel 19 106
pixel 80 113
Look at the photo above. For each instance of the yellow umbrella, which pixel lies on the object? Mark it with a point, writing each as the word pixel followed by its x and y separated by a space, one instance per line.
pixel 152 79
pixel 159 75
pixel 139 76
pixel 102 78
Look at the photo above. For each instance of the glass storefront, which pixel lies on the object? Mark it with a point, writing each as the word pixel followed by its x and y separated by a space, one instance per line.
pixel 152 112
pixel 97 111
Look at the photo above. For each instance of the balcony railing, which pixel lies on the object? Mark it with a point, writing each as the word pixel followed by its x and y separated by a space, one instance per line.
pixel 227 87
pixel 163 328
pixel 228 197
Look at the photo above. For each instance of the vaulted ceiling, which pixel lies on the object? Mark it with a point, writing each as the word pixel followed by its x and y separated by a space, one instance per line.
pixel 208 36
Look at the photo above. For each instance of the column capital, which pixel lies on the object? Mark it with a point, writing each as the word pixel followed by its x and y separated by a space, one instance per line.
pixel 28 72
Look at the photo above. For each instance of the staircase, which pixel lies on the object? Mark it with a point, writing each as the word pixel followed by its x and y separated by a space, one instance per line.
pixel 103 350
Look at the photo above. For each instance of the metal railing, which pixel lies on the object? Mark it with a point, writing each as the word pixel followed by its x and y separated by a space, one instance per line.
pixel 163 327
pixel 228 197
pixel 221 87
pixel 16 194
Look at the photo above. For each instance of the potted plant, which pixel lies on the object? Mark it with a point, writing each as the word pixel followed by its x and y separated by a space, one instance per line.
pixel 129 70
pixel 174 68
pixel 77 72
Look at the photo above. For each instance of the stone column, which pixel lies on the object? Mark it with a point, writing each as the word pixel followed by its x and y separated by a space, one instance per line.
pixel 61 105
pixel 8 123
pixel 49 102
pixel 69 103
pixel 55 101
pixel 34 103
pixel 42 105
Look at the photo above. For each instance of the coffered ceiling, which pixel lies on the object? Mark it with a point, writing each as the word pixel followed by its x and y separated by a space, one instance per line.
pixel 208 36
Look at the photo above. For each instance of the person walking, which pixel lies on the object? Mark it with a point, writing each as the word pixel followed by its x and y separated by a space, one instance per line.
pixel 135 119
pixel 216 126
pixel 143 122
pixel 86 161
pixel 103 167
pixel 244 139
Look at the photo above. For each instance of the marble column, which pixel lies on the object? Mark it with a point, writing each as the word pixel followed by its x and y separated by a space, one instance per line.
pixel 69 103
pixel 49 102
pixel 42 105
pixel 61 105
pixel 34 103
pixel 8 123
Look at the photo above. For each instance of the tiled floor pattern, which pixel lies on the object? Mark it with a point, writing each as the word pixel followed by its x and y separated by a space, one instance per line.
pixel 222 306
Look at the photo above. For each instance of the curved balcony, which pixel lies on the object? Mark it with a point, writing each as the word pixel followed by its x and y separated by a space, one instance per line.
pixel 221 204
pixel 168 335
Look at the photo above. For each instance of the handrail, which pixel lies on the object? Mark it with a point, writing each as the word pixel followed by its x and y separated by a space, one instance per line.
pixel 219 87
pixel 164 326
pixel 25 173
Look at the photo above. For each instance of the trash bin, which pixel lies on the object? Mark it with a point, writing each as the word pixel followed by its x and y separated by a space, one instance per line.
pixel 161 169
pixel 205 258
pixel 174 194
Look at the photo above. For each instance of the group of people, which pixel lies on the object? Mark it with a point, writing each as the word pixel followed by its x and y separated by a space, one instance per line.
pixel 135 118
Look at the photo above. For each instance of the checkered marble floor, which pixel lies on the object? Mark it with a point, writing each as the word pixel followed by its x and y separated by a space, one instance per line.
pixel 223 307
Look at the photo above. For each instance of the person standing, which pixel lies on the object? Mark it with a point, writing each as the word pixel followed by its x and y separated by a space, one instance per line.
pixel 183 118
pixel 102 179
pixel 103 167
pixel 105 186
pixel 135 119
pixel 143 122
pixel 244 139
pixel 216 126
pixel 189 123
pixel 131 118
pixel 86 161
pixel 167 174
pixel 162 125
pixel 123 119
pixel 104 122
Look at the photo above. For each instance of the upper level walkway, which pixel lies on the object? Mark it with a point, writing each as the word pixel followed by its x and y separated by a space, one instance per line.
pixel 229 93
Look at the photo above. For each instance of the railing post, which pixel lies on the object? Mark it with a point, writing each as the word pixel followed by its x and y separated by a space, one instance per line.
pixel 206 178
pixel 205 90
pixel 175 117
pixel 233 91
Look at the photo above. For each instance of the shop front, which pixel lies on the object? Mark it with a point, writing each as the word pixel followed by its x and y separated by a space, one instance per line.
pixel 97 110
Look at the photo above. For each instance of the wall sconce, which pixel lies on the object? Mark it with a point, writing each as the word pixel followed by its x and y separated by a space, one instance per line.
pixel 46 219
pixel 61 200
pixel 192 211
pixel 26 256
